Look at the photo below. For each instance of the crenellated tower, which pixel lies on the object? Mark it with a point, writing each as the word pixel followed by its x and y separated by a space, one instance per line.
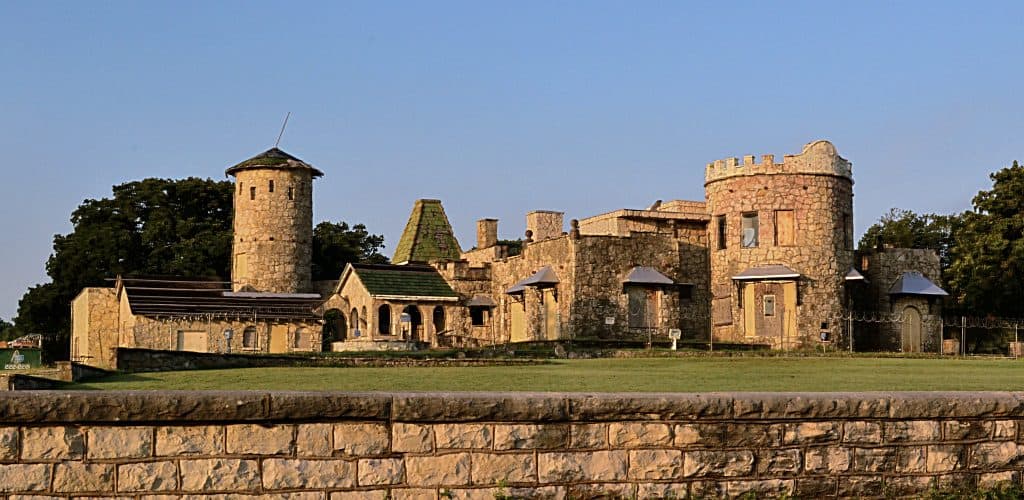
pixel 273 223
pixel 781 237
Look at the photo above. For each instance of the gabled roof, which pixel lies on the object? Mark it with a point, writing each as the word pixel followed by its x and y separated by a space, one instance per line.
pixel 428 236
pixel 914 283
pixel 772 272
pixel 405 281
pixel 273 158
pixel 545 276
pixel 153 296
pixel 642 275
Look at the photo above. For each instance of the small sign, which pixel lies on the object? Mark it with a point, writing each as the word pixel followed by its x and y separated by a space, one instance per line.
pixel 675 334
pixel 609 320
pixel 405 318
pixel 824 337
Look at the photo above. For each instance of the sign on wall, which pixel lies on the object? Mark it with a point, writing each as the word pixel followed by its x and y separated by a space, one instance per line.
pixel 20 359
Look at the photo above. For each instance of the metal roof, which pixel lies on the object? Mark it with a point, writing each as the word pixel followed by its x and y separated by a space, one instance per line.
pixel 642 275
pixel 480 301
pixel 543 277
pixel 183 298
pixel 772 272
pixel 855 275
pixel 914 283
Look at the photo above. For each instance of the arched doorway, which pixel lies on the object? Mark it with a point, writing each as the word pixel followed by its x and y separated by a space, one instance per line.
pixel 911 329
pixel 415 322
pixel 335 327
pixel 384 320
pixel 439 320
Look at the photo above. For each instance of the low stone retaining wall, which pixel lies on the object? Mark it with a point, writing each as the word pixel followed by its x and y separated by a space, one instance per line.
pixel 151 360
pixel 486 445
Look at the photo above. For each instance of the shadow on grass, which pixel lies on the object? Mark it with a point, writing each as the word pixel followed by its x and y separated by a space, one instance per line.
pixel 96 384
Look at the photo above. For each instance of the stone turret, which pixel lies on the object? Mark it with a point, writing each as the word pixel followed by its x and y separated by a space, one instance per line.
pixel 796 215
pixel 273 223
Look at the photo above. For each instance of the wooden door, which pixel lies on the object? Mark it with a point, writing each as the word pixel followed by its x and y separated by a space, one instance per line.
pixel 517 314
pixel 550 315
pixel 279 338
pixel 911 329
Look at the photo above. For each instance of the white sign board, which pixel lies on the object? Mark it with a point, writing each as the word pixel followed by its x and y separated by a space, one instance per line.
pixel 609 320
pixel 675 333
pixel 405 318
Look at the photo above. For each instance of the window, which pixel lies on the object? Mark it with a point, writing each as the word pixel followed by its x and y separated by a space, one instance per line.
pixel 864 262
pixel 384 320
pixel 643 307
pixel 301 340
pixel 478 316
pixel 785 232
pixel 355 323
pixel 270 186
pixel 252 193
pixel 748 230
pixel 240 188
pixel 769 305
pixel 439 319
pixel 291 193
pixel 722 234
pixel 249 337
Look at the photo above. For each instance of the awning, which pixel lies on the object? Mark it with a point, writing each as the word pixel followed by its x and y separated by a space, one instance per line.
pixel 642 275
pixel 914 283
pixel 480 301
pixel 772 272
pixel 855 275
pixel 544 277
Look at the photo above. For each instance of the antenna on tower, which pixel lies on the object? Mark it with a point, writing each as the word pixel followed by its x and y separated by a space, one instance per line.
pixel 283 125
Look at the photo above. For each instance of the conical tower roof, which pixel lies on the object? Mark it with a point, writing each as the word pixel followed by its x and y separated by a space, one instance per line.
pixel 428 236
pixel 273 158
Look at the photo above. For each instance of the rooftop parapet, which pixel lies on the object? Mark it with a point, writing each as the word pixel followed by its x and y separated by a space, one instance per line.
pixel 818 157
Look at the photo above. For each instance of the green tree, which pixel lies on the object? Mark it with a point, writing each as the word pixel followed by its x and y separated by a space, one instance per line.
pixel 906 229
pixel 987 269
pixel 6 330
pixel 335 244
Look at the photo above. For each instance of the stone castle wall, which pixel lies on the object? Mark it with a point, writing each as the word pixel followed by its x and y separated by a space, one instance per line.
pixel 94 332
pixel 273 231
pixel 816 185
pixel 339 446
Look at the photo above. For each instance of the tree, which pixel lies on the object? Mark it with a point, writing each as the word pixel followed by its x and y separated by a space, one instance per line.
pixel 987 269
pixel 906 229
pixel 335 245
pixel 6 330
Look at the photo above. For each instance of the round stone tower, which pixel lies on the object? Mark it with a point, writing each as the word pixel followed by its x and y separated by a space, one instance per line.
pixel 781 237
pixel 272 246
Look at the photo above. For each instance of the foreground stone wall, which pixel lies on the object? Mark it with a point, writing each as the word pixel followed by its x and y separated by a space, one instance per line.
pixel 341 446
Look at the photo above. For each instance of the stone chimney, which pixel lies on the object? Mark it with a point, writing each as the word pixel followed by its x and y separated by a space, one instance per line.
pixel 545 224
pixel 486 233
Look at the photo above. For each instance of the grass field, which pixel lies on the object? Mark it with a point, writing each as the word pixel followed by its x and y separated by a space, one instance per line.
pixel 614 375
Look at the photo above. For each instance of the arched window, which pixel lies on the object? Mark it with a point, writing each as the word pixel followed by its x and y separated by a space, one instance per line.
pixel 363 318
pixel 249 337
pixel 355 322
pixel 335 326
pixel 384 320
pixel 439 319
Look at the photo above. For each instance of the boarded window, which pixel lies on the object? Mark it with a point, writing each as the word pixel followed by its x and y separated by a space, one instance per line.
pixel 721 311
pixel 785 232
pixel 769 305
pixel 722 233
pixel 748 230
pixel 241 266
pixel 249 337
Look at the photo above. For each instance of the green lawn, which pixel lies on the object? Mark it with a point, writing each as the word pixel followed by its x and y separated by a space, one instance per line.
pixel 614 375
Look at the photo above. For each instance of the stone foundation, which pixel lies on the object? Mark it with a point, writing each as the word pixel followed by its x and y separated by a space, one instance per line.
pixel 448 445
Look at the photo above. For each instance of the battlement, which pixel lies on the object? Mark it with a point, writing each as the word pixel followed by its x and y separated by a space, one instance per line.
pixel 818 157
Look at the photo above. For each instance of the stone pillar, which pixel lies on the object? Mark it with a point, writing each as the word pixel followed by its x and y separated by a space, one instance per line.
pixel 545 224
pixel 486 233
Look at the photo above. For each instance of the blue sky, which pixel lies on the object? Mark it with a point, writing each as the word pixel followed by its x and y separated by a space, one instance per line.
pixel 496 108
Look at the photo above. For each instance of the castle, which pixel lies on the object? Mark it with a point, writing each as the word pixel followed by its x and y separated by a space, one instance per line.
pixel 767 258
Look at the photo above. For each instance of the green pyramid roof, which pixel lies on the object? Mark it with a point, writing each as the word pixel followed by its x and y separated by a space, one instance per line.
pixel 428 236
pixel 273 158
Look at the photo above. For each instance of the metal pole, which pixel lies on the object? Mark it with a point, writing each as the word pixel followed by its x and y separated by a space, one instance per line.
pixel 942 334
pixel 850 330
pixel 1016 346
pixel 963 335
